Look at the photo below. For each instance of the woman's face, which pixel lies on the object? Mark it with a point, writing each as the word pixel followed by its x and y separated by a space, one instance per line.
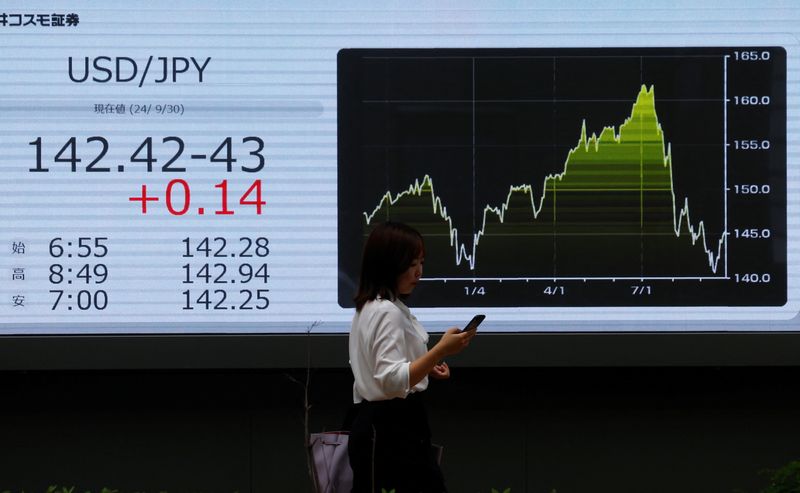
pixel 408 279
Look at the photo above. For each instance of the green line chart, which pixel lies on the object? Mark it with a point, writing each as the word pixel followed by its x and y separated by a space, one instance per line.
pixel 633 161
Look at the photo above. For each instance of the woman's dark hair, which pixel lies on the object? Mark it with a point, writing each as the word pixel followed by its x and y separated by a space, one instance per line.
pixel 389 251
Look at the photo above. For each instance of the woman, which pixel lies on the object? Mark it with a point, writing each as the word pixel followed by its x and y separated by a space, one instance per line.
pixel 389 443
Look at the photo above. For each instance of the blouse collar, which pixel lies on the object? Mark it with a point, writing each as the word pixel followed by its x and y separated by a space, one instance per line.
pixel 418 328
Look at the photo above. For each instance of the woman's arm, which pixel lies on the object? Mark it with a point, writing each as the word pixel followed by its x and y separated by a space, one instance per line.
pixel 452 342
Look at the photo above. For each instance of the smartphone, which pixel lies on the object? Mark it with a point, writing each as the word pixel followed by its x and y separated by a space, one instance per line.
pixel 474 323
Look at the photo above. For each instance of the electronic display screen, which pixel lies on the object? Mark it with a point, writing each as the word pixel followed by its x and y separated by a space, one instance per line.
pixel 206 168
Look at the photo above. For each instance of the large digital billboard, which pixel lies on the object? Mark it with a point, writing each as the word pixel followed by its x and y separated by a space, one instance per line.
pixel 213 168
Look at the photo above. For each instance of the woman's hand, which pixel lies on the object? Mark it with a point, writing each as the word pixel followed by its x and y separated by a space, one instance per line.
pixel 454 341
pixel 440 371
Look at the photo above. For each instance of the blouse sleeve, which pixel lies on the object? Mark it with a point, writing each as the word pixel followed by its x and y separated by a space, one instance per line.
pixel 391 364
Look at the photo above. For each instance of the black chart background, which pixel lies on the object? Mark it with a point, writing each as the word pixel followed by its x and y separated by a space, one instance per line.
pixel 405 113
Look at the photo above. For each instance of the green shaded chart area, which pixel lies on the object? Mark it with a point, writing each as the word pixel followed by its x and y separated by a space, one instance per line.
pixel 611 212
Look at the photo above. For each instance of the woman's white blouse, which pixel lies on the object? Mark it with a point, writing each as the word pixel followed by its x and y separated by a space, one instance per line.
pixel 384 339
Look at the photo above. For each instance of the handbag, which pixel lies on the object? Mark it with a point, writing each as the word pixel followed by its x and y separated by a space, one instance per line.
pixel 331 464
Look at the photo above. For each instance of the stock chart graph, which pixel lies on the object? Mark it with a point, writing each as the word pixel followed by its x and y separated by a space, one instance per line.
pixel 570 177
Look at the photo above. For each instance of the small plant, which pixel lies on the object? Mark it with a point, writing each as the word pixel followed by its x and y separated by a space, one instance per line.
pixel 305 384
pixel 785 479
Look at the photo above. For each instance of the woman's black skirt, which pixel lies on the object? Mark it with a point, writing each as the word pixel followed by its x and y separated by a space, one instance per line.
pixel 390 448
